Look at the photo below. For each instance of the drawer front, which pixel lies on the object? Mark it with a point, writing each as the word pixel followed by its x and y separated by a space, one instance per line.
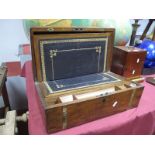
pixel 135 59
pixel 134 64
pixel 63 117
pixel 133 71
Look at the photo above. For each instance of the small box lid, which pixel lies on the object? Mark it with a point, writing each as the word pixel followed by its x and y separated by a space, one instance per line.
pixel 130 49
pixel 61 53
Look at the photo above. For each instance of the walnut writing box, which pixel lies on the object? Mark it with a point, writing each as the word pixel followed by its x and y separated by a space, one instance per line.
pixel 72 75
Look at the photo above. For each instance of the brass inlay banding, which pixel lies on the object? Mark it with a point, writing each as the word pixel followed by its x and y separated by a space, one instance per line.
pixel 64 121
pixel 48 87
pixel 131 98
pixel 42 61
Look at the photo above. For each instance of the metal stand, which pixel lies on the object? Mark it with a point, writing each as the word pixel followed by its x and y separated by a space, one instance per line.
pixel 134 30
pixel 147 28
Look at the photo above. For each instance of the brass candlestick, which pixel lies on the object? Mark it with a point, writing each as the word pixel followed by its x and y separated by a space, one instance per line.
pixel 134 30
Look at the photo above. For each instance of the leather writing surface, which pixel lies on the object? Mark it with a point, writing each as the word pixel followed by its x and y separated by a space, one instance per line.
pixel 68 58
pixel 80 81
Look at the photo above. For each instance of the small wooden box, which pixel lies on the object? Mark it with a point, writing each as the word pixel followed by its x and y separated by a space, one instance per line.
pixel 73 79
pixel 128 61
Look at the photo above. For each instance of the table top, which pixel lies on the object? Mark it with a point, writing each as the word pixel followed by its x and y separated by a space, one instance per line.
pixel 140 120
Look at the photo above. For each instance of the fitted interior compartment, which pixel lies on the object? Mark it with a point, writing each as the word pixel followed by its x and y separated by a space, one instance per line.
pixel 72 97
pixel 102 92
pixel 96 93
pixel 84 93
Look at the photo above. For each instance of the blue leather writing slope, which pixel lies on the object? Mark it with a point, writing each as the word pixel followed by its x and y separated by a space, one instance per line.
pixel 80 81
pixel 72 63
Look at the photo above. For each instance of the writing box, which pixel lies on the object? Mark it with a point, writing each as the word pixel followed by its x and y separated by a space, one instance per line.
pixel 71 69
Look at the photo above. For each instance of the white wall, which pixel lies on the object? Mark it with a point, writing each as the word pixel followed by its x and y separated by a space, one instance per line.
pixel 11 35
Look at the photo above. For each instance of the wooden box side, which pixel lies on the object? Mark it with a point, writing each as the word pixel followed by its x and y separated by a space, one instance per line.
pixel 59 116
pixel 63 116
pixel 118 61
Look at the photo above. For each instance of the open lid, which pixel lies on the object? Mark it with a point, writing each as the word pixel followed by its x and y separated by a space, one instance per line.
pixel 61 53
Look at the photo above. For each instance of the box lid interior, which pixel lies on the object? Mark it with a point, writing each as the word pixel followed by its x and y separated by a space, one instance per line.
pixel 63 53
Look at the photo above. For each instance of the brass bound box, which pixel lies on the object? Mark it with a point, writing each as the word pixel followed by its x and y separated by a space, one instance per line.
pixel 72 75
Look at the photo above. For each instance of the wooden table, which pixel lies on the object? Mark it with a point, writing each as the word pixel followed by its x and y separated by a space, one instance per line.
pixel 3 90
pixel 140 120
